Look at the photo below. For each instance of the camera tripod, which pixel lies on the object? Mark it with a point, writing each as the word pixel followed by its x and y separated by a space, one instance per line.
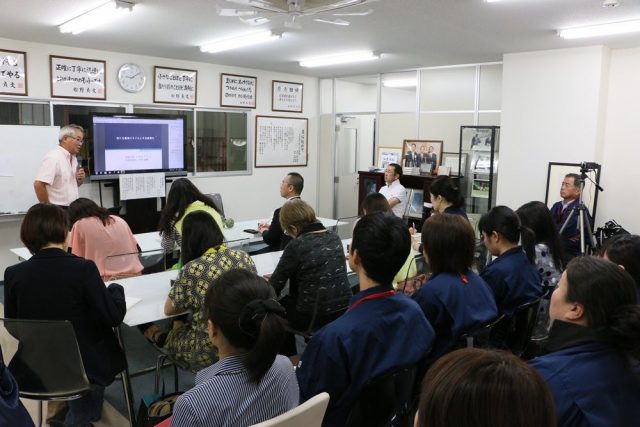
pixel 583 215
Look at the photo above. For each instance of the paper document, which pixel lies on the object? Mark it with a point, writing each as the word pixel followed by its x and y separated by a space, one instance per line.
pixel 142 185
pixel 131 301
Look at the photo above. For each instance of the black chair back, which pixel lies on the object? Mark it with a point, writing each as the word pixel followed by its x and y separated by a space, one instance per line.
pixel 217 200
pixel 515 332
pixel 385 401
pixel 47 364
pixel 480 337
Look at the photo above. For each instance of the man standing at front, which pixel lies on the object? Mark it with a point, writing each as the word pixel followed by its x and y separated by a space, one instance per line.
pixel 381 331
pixel 393 191
pixel 59 176
pixel 272 234
pixel 560 211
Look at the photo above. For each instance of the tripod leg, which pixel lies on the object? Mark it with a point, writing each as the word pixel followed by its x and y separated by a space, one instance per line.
pixel 581 225
pixel 566 221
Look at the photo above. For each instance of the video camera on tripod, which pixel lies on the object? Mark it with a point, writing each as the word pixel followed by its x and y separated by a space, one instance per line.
pixel 588 166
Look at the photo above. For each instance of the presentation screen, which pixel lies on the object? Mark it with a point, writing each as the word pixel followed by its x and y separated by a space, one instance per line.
pixel 130 143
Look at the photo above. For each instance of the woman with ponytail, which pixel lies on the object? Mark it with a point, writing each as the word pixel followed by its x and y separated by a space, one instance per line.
pixel 446 198
pixel 512 276
pixel 250 383
pixel 594 343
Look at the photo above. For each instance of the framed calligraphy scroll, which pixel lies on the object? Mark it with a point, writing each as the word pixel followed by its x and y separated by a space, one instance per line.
pixel 286 96
pixel 281 141
pixel 175 85
pixel 238 91
pixel 13 72
pixel 77 78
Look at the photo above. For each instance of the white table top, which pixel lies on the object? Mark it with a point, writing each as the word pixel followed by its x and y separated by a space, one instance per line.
pixel 151 241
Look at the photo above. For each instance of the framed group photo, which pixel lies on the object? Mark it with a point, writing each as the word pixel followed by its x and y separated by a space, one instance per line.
pixel 424 155
pixel 476 138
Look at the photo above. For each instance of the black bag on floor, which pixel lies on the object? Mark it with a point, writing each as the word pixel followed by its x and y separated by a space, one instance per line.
pixel 155 408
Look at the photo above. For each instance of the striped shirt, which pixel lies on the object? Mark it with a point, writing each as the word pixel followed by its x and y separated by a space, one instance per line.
pixel 224 396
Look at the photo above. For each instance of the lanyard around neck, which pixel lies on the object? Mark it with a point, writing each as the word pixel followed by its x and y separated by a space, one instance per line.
pixel 377 295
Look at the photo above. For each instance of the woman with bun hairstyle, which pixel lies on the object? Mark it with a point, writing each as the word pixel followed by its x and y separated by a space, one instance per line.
pixel 250 383
pixel 446 198
pixel 484 388
pixel 595 333
pixel 512 276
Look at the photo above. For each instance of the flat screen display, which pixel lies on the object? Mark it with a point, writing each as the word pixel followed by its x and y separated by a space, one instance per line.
pixel 130 143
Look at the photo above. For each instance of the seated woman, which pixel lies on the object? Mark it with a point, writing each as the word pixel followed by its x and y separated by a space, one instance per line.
pixel 206 259
pixel 512 276
pixel 445 197
pixel 183 198
pixel 624 250
pixel 376 202
pixel 99 236
pixel 455 300
pixel 314 264
pixel 56 285
pixel 250 383
pixel 595 329
pixel 549 255
pixel 484 388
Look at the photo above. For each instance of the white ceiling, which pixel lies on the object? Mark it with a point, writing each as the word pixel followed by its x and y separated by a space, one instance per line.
pixel 408 33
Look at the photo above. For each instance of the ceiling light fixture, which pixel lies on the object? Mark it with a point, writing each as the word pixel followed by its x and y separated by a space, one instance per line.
pixel 601 29
pixel 405 82
pixel 239 41
pixel 101 14
pixel 342 58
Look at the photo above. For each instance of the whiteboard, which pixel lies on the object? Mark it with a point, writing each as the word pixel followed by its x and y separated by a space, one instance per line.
pixel 280 141
pixel 23 149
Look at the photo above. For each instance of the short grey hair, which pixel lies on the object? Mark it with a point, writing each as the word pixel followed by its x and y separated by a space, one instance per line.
pixel 69 130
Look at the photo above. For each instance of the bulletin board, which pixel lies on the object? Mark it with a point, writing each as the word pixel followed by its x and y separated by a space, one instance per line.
pixel 281 141
pixel 19 163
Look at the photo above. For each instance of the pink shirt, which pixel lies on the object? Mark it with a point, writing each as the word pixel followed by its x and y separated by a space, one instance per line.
pixel 113 248
pixel 58 170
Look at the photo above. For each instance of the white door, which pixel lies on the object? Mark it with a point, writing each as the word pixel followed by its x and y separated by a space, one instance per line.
pixel 346 174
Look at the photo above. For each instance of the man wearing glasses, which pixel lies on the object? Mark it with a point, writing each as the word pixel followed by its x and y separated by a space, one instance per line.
pixel 60 175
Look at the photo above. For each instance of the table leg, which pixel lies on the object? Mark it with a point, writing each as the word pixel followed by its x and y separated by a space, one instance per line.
pixel 126 381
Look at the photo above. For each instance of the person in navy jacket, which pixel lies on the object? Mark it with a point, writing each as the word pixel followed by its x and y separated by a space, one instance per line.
pixel 455 300
pixel 512 276
pixel 594 344
pixel 381 331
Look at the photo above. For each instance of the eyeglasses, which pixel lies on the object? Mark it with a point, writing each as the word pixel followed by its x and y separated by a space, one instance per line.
pixel 77 138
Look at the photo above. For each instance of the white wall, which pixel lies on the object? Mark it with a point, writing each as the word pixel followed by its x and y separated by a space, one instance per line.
pixel 621 160
pixel 553 110
pixel 244 197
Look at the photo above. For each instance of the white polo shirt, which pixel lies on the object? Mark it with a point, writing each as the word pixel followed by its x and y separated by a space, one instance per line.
pixel 395 189
pixel 58 171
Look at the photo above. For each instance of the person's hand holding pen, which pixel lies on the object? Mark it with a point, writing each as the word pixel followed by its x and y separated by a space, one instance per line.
pixel 412 229
pixel 262 227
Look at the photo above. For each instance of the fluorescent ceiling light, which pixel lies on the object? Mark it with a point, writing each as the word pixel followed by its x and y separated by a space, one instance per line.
pixel 343 58
pixel 101 14
pixel 238 42
pixel 406 82
pixel 601 29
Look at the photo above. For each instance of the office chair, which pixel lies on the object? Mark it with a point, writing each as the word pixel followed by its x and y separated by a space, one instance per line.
pixel 385 401
pixel 308 414
pixel 217 200
pixel 47 364
pixel 514 332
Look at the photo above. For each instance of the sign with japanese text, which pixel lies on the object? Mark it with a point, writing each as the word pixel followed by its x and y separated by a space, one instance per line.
pixel 281 141
pixel 286 96
pixel 77 78
pixel 13 72
pixel 175 86
pixel 238 91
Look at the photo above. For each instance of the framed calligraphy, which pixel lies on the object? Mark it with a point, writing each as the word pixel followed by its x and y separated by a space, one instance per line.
pixel 281 141
pixel 77 78
pixel 238 91
pixel 13 72
pixel 175 85
pixel 286 96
